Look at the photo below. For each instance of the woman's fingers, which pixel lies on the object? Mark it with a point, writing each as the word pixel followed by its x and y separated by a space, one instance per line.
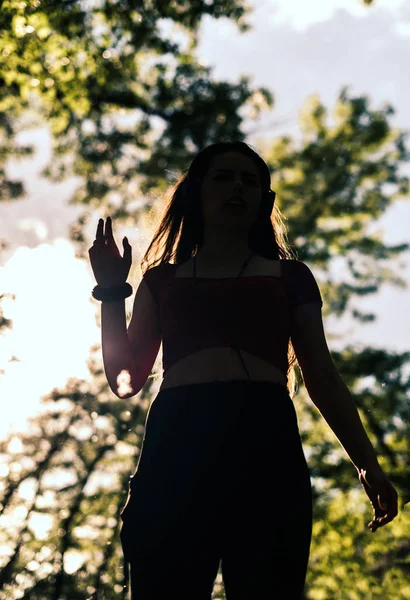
pixel 99 233
pixel 108 228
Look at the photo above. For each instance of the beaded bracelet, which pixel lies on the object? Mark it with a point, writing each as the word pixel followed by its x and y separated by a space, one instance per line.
pixel 112 293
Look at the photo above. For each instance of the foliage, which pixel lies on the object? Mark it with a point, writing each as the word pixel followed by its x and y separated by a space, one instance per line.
pixel 88 73
pixel 108 82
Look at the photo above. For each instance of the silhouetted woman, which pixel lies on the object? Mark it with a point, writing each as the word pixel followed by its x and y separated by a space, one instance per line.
pixel 222 475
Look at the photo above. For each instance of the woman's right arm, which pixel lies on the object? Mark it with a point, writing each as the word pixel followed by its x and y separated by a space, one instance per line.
pixel 119 364
pixel 110 269
pixel 129 354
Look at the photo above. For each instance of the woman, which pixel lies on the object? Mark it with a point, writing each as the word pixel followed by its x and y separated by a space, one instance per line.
pixel 222 475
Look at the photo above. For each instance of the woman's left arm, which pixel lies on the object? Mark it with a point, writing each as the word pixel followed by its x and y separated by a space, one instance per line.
pixel 331 396
pixel 326 387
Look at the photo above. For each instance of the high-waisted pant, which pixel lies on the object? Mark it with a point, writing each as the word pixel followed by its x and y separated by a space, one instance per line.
pixel 222 479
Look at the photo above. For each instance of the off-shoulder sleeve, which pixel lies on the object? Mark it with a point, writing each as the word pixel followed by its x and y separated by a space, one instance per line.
pixel 302 286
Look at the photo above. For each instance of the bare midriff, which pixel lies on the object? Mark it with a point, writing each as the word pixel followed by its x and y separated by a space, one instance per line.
pixel 223 364
pixel 220 364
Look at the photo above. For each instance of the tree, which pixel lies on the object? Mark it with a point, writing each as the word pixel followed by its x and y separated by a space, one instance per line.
pixel 81 71
pixel 330 186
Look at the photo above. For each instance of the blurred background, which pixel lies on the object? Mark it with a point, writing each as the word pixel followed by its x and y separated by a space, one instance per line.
pixel 102 105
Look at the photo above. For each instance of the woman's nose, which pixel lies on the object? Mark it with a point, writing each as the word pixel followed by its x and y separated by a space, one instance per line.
pixel 238 184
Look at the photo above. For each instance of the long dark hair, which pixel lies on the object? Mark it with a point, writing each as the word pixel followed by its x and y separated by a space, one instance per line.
pixel 179 235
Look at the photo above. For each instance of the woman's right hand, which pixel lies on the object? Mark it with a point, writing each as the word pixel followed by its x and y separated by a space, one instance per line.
pixel 109 267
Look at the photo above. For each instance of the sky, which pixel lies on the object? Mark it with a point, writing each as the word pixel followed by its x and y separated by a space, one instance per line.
pixel 296 49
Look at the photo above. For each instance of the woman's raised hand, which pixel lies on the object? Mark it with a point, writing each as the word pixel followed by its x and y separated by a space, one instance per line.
pixel 109 267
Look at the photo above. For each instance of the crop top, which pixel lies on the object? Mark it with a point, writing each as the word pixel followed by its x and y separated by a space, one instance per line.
pixel 261 315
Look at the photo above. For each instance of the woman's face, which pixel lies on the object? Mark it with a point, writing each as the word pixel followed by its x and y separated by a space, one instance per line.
pixel 229 174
